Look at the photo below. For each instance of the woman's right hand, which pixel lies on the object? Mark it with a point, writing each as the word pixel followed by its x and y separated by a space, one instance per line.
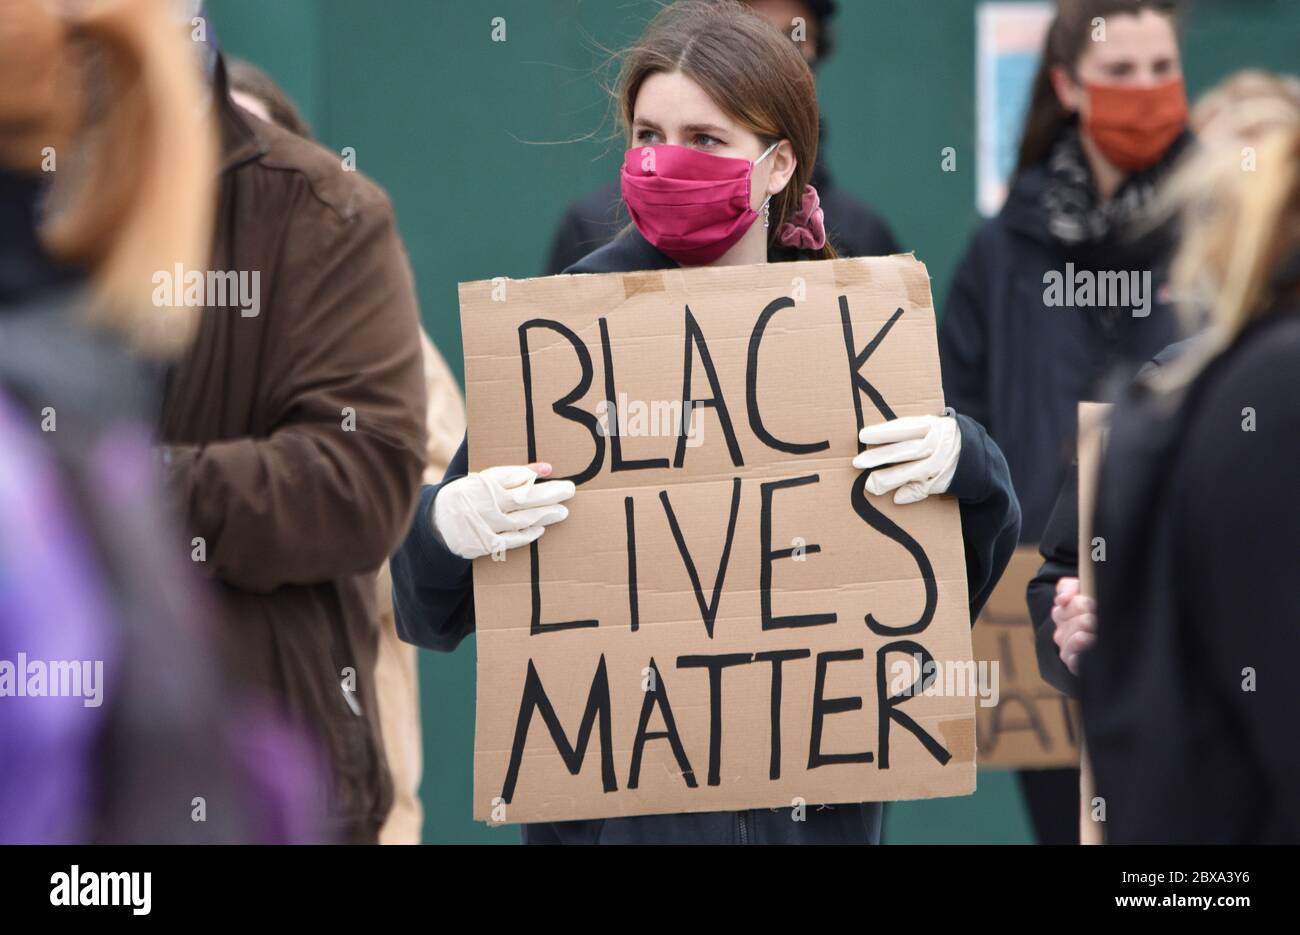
pixel 1075 617
pixel 499 508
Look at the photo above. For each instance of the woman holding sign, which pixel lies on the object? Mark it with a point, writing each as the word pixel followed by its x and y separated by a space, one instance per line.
pixel 721 115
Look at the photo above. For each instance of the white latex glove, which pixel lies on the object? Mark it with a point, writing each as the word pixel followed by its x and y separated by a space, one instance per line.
pixel 923 450
pixel 497 509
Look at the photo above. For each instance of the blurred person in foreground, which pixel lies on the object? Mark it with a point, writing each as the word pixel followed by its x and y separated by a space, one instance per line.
pixel 397 680
pixel 115 725
pixel 854 228
pixel 1234 116
pixel 295 436
pixel 1188 696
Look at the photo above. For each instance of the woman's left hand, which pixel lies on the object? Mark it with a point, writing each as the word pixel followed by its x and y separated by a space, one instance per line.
pixel 922 450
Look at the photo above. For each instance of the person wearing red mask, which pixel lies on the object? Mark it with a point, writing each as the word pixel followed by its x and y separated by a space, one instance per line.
pixel 704 186
pixel 1065 290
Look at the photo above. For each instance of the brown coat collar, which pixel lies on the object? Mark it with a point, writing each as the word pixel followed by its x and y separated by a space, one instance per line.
pixel 241 138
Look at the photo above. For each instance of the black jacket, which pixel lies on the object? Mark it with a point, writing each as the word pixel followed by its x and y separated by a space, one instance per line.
pixel 1020 366
pixel 1060 550
pixel 433 598
pixel 595 219
pixel 1189 698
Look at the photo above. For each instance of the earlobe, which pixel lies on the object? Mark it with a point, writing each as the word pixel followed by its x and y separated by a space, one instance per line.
pixel 1067 92
pixel 784 169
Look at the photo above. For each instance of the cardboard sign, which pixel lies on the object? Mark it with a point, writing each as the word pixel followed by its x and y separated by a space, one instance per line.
pixel 1092 443
pixel 1092 440
pixel 725 620
pixel 1033 726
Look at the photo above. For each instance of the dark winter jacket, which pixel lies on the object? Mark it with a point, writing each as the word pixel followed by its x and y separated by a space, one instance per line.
pixel 1019 365
pixel 1189 698
pixel 434 600
pixel 1060 550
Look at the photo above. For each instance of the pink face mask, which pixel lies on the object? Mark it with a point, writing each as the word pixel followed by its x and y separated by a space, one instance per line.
pixel 692 206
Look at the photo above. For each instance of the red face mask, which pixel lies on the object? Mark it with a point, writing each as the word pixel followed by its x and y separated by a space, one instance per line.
pixel 1134 126
pixel 691 205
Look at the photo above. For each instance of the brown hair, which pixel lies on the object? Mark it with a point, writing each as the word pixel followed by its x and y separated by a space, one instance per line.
pixel 1067 37
pixel 112 89
pixel 748 68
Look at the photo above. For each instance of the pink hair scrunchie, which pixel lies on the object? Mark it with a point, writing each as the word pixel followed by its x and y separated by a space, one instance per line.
pixel 806 229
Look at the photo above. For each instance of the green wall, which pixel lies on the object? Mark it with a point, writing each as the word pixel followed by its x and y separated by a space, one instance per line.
pixel 482 144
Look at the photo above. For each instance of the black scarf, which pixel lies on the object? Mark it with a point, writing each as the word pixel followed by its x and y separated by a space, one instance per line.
pixel 1076 216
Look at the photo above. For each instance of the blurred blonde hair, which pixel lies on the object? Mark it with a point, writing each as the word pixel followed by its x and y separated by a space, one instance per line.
pixel 1236 199
pixel 1246 105
pixel 1240 211
pixel 113 89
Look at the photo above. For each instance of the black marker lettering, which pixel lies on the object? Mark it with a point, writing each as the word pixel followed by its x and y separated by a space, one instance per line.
pixel 715 665
pixel 659 698
pixel 562 407
pixel 823 706
pixel 751 387
pixel 535 625
pixel 708 609
pixel 695 338
pixel 887 527
pixel 887 704
pixel 616 462
pixel 858 360
pixel 767 554
pixel 632 608
pixel 777 657
pixel 534 699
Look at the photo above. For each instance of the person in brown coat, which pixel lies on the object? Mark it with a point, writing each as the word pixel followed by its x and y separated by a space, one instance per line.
pixel 397 677
pixel 295 437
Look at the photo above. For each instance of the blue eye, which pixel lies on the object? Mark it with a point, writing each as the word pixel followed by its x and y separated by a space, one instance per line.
pixel 647 137
pixel 704 140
